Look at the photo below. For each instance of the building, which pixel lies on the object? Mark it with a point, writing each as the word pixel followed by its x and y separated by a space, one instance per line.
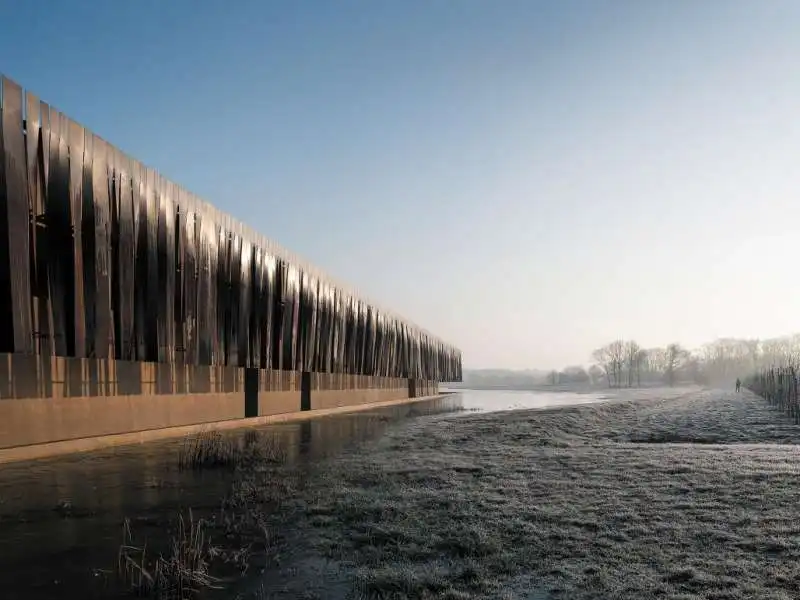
pixel 128 304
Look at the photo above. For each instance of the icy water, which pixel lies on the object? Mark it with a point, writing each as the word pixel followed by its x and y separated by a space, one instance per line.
pixel 61 518
pixel 500 400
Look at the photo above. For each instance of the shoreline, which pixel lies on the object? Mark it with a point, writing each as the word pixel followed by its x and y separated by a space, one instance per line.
pixel 91 444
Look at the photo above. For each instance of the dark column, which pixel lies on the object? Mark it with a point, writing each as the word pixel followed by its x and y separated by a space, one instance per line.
pixel 250 392
pixel 305 390
pixel 412 387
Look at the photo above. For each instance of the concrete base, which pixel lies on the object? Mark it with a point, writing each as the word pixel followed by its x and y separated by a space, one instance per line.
pixel 42 420
pixel 89 444
pixel 46 400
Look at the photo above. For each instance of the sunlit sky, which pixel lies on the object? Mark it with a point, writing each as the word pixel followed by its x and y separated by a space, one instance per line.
pixel 526 179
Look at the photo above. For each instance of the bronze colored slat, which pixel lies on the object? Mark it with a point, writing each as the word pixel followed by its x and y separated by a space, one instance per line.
pixel 15 253
pixel 76 156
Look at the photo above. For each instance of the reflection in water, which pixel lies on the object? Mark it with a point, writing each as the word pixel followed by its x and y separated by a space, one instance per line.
pixel 61 518
pixel 305 437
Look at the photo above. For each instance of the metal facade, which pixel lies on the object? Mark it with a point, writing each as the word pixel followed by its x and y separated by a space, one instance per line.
pixel 101 257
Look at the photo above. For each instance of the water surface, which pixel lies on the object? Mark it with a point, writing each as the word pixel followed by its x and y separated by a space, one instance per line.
pixel 500 400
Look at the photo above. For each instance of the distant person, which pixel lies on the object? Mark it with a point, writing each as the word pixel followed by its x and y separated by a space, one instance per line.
pixel 738 385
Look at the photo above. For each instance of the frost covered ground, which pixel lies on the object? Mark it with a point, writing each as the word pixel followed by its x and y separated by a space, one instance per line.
pixel 678 494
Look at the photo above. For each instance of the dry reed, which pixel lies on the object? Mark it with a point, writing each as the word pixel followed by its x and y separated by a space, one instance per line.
pixel 210 450
pixel 178 576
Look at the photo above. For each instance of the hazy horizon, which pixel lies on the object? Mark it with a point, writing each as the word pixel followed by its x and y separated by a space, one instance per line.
pixel 527 180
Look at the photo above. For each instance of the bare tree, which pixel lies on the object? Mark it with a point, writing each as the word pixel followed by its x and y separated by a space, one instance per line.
pixel 603 359
pixel 725 359
pixel 655 363
pixel 616 352
pixel 633 358
pixel 676 357
pixel 753 348
pixel 641 359
pixel 717 362
pixel 693 368
pixel 612 359
pixel 596 373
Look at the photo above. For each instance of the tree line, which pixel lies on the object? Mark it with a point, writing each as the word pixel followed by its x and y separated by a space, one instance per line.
pixel 625 363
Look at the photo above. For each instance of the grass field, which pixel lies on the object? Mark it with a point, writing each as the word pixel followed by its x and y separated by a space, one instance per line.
pixel 688 494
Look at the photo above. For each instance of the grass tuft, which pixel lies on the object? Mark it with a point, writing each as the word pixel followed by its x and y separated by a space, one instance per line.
pixel 180 575
pixel 212 450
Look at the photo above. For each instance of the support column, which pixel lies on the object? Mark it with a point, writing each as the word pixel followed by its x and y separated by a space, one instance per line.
pixel 305 391
pixel 251 376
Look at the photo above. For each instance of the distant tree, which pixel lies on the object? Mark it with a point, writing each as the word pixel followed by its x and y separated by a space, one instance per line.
pixel 656 364
pixel 725 359
pixel 633 357
pixel 716 363
pixel 596 373
pixel 753 348
pixel 611 358
pixel 603 360
pixel 676 357
pixel 693 369
pixel 616 351
pixel 574 374
pixel 641 361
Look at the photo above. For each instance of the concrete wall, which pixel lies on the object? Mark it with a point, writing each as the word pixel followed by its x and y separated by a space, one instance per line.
pixel 327 389
pixel 50 399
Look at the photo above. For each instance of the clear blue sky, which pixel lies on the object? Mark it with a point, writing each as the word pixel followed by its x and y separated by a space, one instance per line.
pixel 525 179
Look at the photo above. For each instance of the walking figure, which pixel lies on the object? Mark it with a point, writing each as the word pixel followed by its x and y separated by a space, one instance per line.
pixel 738 385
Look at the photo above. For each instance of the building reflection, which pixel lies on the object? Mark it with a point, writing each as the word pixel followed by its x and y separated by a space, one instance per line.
pixel 61 518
